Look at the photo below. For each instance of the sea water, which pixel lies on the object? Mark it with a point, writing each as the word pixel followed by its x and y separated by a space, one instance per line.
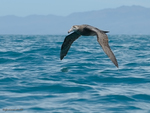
pixel 33 79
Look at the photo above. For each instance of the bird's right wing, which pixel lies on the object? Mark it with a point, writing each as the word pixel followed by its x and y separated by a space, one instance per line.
pixel 67 43
pixel 103 41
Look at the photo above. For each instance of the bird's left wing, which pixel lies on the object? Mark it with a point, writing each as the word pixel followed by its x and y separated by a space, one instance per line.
pixel 67 43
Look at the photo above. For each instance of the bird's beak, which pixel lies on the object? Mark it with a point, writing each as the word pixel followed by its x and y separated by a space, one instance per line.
pixel 70 30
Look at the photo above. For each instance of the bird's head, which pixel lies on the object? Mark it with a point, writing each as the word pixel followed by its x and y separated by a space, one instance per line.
pixel 74 28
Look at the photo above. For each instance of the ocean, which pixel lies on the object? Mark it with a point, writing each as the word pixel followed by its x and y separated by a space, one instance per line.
pixel 33 79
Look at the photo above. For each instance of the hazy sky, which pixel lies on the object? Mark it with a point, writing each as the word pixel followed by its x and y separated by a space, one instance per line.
pixel 61 7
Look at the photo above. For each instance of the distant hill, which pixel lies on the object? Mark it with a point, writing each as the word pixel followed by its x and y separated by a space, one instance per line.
pixel 121 20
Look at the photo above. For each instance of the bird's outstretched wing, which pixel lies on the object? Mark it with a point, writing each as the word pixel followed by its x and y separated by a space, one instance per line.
pixel 103 41
pixel 67 43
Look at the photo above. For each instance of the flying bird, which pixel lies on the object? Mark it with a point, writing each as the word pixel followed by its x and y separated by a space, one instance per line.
pixel 87 30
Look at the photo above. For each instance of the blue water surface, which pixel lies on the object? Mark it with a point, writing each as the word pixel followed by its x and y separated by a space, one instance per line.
pixel 33 79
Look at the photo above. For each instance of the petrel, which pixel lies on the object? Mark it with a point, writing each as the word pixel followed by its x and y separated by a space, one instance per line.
pixel 87 30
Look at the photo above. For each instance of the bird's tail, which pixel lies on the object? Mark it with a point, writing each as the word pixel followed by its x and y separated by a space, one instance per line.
pixel 106 31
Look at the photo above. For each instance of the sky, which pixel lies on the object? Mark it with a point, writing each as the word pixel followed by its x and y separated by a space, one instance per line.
pixel 24 8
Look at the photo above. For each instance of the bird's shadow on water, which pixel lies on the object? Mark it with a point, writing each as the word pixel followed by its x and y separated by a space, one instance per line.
pixel 65 69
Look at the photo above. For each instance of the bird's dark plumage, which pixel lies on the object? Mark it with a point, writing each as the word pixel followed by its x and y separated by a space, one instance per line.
pixel 87 30
pixel 67 43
